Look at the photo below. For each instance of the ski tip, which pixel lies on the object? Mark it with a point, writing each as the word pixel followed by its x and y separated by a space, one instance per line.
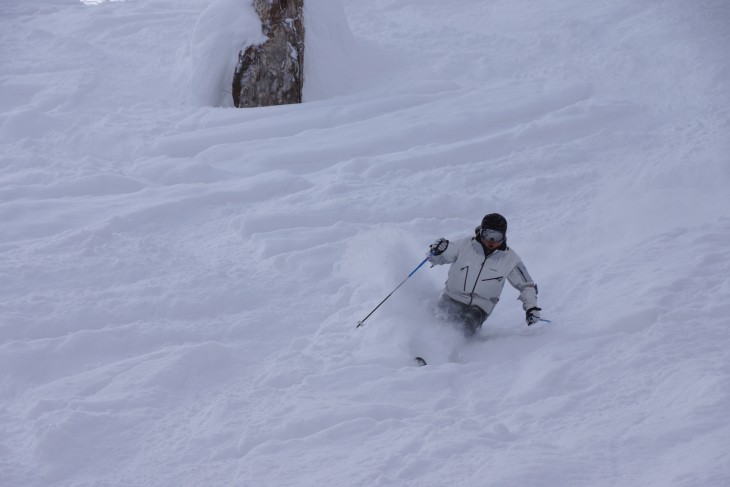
pixel 419 361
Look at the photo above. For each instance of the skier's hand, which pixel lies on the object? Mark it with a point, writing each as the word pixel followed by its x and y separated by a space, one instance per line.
pixel 532 315
pixel 439 246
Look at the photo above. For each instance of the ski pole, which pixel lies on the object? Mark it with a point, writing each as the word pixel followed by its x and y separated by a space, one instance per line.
pixel 361 322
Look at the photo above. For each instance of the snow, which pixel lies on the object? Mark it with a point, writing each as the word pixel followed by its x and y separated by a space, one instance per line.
pixel 225 28
pixel 181 280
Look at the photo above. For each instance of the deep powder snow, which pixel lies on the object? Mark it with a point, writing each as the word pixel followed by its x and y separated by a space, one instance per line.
pixel 180 280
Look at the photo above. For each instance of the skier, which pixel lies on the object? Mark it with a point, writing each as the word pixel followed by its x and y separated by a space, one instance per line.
pixel 479 267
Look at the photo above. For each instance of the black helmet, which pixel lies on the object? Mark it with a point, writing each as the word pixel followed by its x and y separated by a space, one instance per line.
pixel 495 221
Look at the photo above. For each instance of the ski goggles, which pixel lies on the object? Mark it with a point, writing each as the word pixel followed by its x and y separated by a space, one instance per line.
pixel 492 235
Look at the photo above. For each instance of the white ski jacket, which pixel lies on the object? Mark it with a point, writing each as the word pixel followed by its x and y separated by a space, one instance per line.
pixel 477 280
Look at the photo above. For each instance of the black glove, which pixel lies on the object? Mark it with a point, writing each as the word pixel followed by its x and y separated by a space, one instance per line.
pixel 532 315
pixel 439 246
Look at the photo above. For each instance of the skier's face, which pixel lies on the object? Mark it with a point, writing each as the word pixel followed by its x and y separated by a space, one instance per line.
pixel 491 239
pixel 491 244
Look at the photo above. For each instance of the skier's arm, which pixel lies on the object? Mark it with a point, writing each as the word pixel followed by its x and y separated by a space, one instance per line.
pixel 523 282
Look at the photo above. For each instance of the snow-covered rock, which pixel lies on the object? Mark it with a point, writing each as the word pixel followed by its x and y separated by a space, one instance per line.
pixel 272 73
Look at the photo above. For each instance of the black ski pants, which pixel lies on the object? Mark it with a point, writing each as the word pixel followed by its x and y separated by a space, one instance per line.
pixel 468 318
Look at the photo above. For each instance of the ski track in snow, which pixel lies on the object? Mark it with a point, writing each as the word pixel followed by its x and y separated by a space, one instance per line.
pixel 180 283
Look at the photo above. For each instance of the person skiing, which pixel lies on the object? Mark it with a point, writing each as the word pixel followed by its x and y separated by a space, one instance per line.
pixel 479 267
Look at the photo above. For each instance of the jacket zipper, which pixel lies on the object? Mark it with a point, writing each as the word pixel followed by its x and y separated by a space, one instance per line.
pixel 466 276
pixel 476 281
pixel 493 279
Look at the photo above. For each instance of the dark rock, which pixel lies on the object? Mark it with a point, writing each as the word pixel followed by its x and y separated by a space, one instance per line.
pixel 272 73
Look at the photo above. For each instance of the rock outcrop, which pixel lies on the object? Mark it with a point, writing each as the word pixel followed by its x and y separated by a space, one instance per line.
pixel 272 73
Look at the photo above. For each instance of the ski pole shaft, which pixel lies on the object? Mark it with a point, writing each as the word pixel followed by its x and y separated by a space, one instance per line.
pixel 361 322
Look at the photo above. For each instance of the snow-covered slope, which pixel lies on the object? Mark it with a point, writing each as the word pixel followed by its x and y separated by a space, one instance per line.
pixel 181 280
